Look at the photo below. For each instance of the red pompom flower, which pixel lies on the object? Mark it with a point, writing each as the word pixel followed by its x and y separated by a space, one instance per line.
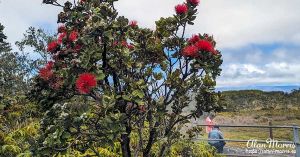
pixel 181 8
pixel 86 82
pixel 194 2
pixel 204 45
pixel 52 46
pixel 73 36
pixel 194 39
pixel 133 23
pixel 190 51
pixel 46 73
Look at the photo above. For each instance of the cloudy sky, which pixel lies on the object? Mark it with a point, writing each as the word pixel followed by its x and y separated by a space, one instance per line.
pixel 259 39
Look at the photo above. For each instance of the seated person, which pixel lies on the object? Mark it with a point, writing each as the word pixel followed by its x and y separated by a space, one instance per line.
pixel 213 138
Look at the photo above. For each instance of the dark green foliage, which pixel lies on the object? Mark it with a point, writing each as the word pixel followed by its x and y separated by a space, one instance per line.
pixel 14 69
pixel 17 69
pixel 4 46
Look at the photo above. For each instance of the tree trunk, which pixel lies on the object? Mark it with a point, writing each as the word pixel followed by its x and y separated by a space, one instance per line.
pixel 146 152
pixel 125 145
pixel 162 152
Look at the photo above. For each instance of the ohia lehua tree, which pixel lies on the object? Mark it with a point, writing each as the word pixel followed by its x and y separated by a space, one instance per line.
pixel 110 80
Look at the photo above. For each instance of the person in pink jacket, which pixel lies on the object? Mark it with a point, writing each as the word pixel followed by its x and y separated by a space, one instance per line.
pixel 209 122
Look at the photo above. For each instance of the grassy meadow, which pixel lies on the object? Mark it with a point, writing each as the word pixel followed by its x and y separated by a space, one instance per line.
pixel 260 117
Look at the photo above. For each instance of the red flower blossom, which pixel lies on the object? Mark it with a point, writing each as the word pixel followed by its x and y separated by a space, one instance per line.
pixel 49 65
pixel 73 36
pixel 190 51
pixel 181 9
pixel 130 46
pixel 124 43
pixel 60 37
pixel 45 73
pixel 204 45
pixel 62 29
pixel 142 108
pixel 194 39
pixel 115 43
pixel 86 82
pixel 194 2
pixel 77 47
pixel 133 23
pixel 52 46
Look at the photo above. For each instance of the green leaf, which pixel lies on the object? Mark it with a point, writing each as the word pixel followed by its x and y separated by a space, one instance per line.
pixel 126 97
pixel 190 23
pixel 157 76
pixel 100 75
pixel 66 135
pixel 138 93
pixel 140 102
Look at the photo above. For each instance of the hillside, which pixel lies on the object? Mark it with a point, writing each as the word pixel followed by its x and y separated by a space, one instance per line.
pixel 257 100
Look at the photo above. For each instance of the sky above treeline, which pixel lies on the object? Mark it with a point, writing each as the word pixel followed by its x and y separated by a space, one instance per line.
pixel 259 39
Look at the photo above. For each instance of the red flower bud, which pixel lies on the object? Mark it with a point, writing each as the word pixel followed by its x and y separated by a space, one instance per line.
pixel 133 23
pixel 181 8
pixel 77 47
pixel 115 43
pixel 194 2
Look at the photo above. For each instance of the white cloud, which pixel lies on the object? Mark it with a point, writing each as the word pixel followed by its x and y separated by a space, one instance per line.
pixel 237 23
pixel 18 15
pixel 277 66
pixel 248 74
pixel 234 23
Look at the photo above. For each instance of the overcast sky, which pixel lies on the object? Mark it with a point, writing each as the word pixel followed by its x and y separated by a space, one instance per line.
pixel 259 39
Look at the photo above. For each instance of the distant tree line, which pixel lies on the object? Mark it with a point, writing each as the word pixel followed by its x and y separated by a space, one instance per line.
pixel 256 99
